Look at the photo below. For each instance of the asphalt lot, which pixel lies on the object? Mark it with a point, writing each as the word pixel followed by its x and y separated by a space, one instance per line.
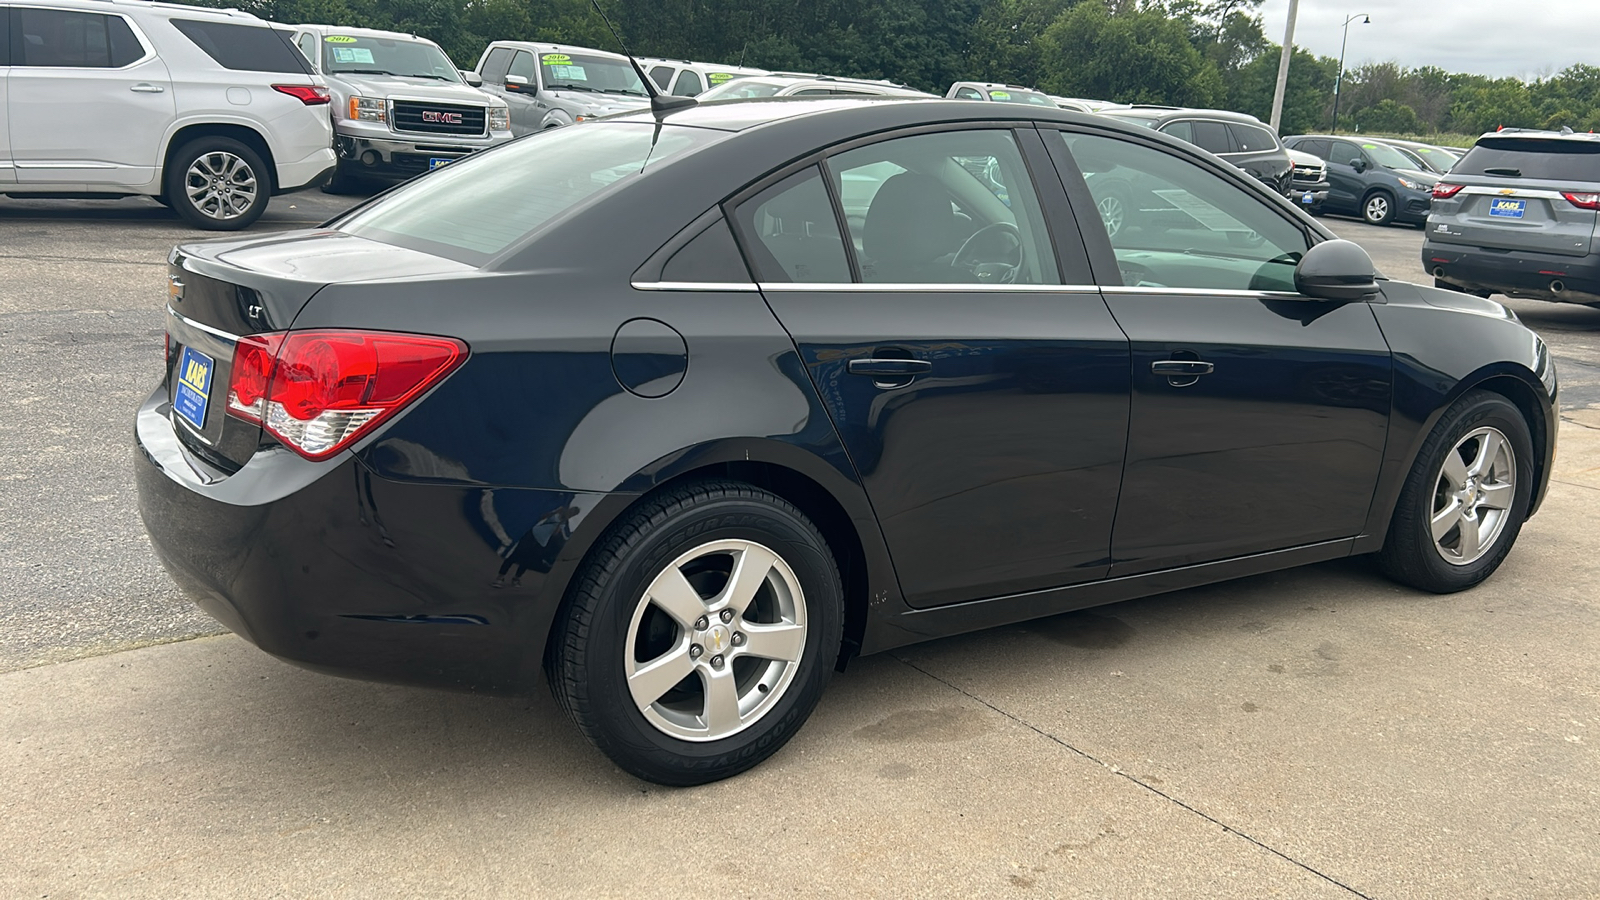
pixel 1311 733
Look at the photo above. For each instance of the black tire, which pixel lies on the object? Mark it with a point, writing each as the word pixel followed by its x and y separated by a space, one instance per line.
pixel 345 183
pixel 223 213
pixel 1410 554
pixel 1374 212
pixel 590 644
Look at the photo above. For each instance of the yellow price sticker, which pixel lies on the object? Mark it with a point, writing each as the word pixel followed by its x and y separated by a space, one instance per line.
pixel 555 59
pixel 338 39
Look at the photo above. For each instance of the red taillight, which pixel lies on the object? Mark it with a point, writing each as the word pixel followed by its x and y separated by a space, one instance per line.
pixel 319 391
pixel 309 94
pixel 1444 191
pixel 1582 201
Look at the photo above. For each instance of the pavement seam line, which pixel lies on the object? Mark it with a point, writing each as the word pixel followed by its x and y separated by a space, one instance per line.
pixel 90 259
pixel 1117 770
pixel 1575 484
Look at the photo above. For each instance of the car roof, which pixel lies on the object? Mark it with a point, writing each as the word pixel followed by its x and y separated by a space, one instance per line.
pixel 364 32
pixel 1540 134
pixel 1151 111
pixel 193 12
pixel 540 47
pixel 891 111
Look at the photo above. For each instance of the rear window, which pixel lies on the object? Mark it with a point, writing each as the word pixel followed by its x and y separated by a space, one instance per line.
pixel 474 209
pixel 245 48
pixel 1532 158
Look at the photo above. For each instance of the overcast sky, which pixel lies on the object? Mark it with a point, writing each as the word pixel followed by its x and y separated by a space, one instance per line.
pixel 1525 38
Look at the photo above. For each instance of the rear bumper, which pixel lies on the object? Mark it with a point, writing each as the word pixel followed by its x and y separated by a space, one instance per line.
pixel 331 567
pixel 306 173
pixel 1515 273
pixel 399 159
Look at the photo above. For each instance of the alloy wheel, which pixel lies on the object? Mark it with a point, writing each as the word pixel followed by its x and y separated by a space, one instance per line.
pixel 221 185
pixel 1472 496
pixel 715 640
pixel 1377 208
pixel 1112 214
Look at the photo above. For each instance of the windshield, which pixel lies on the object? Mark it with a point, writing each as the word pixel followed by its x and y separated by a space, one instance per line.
pixel 1013 95
pixel 473 209
pixel 1133 120
pixel 577 72
pixel 1388 157
pixel 357 55
pixel 1441 159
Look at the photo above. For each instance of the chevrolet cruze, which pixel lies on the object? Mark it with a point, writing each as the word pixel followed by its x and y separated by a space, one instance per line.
pixel 679 411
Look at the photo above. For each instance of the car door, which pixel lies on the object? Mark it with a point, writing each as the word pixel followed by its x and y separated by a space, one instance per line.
pixel 1259 415
pixel 1346 185
pixel 982 398
pixel 88 102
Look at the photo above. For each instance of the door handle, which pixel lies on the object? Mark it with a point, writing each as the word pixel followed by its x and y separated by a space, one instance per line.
pixel 145 87
pixel 1181 368
pixel 900 367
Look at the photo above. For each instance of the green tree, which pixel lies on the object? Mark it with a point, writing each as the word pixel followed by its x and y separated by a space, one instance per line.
pixel 1131 54
pixel 1388 117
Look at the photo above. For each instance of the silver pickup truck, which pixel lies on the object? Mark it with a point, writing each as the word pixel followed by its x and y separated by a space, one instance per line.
pixel 400 107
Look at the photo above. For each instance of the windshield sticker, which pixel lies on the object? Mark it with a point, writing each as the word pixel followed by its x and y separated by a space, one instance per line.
pixel 1369 146
pixel 338 39
pixel 352 55
pixel 555 59
pixel 719 77
pixel 1000 95
pixel 568 73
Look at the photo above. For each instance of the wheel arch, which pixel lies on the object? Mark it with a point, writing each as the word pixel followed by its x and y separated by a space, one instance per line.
pixel 834 501
pixel 1518 384
pixel 244 134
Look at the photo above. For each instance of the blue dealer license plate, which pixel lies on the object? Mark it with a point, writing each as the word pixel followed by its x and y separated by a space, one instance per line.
pixel 435 162
pixel 1508 209
pixel 194 386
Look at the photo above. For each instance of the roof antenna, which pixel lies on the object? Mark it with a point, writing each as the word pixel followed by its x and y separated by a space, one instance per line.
pixel 660 104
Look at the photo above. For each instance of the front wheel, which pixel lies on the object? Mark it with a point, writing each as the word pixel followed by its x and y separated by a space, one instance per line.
pixel 1378 208
pixel 218 184
pixel 700 635
pixel 1465 499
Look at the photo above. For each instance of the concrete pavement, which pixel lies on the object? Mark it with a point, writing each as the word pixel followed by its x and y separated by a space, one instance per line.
pixel 1313 733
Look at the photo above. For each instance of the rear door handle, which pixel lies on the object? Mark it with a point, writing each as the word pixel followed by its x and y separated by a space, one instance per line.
pixel 901 367
pixel 1181 368
pixel 145 87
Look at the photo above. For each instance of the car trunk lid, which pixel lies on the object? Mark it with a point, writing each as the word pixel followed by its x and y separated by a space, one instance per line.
pixel 221 291
pixel 1513 196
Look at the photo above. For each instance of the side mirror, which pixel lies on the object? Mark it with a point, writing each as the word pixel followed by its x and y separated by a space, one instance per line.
pixel 519 84
pixel 1337 270
pixel 472 78
pixel 1360 165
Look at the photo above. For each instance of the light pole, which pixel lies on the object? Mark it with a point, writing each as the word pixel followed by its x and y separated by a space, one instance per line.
pixel 1283 66
pixel 1339 82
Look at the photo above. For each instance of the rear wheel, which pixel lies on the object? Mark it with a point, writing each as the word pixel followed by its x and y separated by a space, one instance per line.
pixel 1378 208
pixel 700 635
pixel 1465 499
pixel 218 184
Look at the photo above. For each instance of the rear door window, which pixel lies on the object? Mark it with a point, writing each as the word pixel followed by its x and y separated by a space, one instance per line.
pixel 55 38
pixel 1316 148
pixel 1212 136
pixel 792 234
pixel 662 76
pixel 1546 160
pixel 245 48
pixel 1183 131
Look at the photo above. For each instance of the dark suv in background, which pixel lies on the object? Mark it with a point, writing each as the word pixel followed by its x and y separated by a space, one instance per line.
pixel 1243 140
pixel 1368 179
pixel 1517 216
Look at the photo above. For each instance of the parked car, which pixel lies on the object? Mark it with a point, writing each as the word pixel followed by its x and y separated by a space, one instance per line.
pixel 998 93
pixel 1437 160
pixel 1078 104
pixel 550 85
pixel 400 107
pixel 1517 216
pixel 1240 139
pixel 211 112
pixel 1369 179
pixel 755 437
pixel 1308 184
pixel 797 85
pixel 683 78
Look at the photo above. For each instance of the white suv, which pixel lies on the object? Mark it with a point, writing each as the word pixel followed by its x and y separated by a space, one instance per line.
pixel 211 112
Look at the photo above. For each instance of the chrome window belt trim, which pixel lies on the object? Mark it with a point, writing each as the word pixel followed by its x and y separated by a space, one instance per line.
pixel 935 288
pixel 716 286
pixel 1207 292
